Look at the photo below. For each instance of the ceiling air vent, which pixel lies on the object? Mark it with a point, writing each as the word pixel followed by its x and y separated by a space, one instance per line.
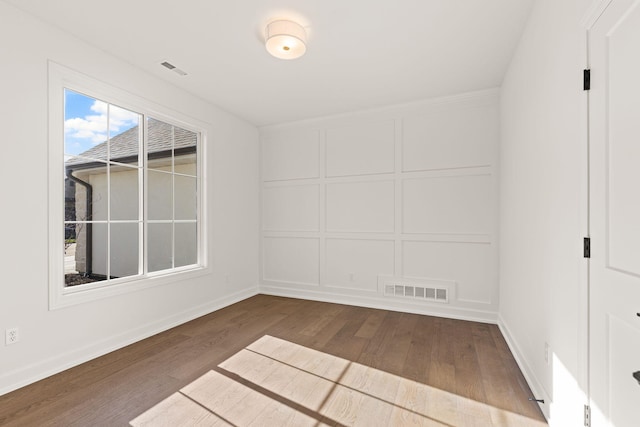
pixel 170 66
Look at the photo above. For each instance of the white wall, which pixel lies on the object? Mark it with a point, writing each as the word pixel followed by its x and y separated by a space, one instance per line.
pixel 53 340
pixel 543 207
pixel 407 192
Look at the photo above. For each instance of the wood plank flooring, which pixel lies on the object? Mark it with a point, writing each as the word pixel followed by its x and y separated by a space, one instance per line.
pixel 278 361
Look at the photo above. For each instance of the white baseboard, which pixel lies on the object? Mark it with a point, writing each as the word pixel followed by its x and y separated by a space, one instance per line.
pixel 373 301
pixel 35 372
pixel 536 387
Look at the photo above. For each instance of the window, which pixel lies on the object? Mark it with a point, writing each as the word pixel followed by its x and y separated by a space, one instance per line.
pixel 130 211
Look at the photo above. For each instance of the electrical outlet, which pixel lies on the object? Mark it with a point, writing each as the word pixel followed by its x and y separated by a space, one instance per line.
pixel 11 336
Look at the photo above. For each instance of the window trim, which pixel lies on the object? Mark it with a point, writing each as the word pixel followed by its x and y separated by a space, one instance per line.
pixel 59 79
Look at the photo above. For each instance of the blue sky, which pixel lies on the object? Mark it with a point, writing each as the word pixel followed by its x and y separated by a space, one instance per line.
pixel 85 122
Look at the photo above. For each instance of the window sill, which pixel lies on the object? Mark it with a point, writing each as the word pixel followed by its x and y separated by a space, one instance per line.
pixel 70 296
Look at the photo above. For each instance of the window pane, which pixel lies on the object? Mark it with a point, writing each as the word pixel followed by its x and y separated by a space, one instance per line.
pixel 85 126
pixel 184 138
pixel 79 264
pixel 124 193
pixel 75 198
pixel 71 193
pixel 185 151
pixel 160 248
pixel 80 251
pixel 159 144
pixel 160 198
pixel 99 193
pixel 124 250
pixel 186 244
pixel 98 254
pixel 186 197
pixel 74 264
pixel 70 250
pixel 186 164
pixel 124 135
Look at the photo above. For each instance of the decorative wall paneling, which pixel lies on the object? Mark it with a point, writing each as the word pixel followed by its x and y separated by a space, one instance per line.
pixel 405 195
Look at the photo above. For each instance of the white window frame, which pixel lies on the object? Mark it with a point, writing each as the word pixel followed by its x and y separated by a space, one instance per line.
pixel 61 78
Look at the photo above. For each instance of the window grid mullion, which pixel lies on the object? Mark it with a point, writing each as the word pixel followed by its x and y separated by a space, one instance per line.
pixel 108 260
pixel 173 197
pixel 199 210
pixel 144 251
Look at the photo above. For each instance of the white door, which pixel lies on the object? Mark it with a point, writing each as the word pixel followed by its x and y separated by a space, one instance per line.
pixel 614 131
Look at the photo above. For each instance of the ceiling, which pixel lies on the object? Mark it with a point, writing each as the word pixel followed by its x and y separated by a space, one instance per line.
pixel 361 54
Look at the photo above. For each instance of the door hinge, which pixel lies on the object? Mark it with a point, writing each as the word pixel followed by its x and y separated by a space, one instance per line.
pixel 586 247
pixel 586 79
pixel 587 416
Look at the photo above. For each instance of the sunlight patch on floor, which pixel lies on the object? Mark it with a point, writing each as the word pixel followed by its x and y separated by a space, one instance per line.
pixel 274 382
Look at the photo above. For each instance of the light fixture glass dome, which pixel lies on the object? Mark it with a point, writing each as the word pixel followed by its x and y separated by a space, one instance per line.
pixel 286 39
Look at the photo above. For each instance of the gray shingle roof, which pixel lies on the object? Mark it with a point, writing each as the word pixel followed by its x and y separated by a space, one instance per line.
pixel 124 147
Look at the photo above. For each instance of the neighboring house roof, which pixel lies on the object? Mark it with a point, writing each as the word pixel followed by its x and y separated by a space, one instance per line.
pixel 124 147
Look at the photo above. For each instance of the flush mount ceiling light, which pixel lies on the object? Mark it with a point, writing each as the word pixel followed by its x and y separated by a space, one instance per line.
pixel 286 39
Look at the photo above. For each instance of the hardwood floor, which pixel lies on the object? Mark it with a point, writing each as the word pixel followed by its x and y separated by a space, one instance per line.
pixel 279 361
